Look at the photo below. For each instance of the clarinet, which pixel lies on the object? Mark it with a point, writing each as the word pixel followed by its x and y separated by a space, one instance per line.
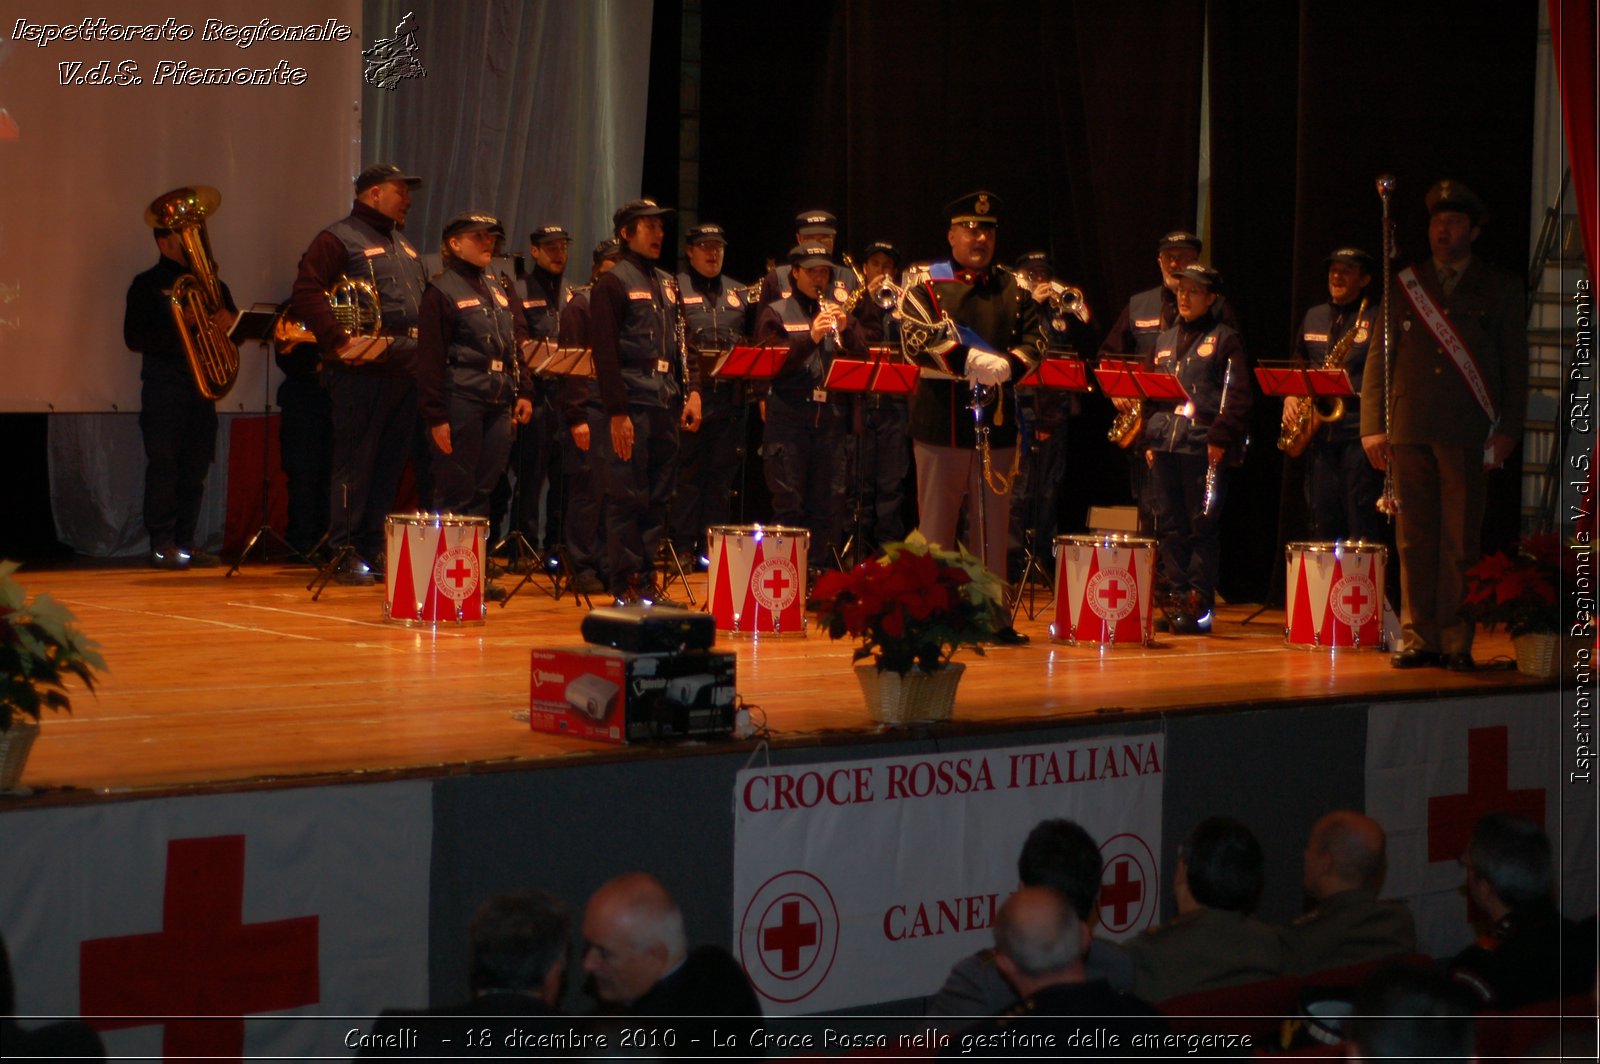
pixel 1211 466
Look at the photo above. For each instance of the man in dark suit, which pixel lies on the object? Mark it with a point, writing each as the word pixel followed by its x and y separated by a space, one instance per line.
pixel 1039 948
pixel 1213 941
pixel 1527 952
pixel 1446 408
pixel 1347 923
pixel 518 963
pixel 1061 855
pixel 639 963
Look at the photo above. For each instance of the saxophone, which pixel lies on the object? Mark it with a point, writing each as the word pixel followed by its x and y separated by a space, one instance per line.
pixel 1297 436
pixel 1127 426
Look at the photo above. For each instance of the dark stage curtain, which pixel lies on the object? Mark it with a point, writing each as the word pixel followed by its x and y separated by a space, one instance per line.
pixel 1083 117
pixel 1573 31
pixel 1418 91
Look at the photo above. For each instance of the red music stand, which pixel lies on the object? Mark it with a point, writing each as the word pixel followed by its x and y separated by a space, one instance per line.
pixel 849 375
pixel 1135 380
pixel 1289 378
pixel 895 378
pixel 1062 374
pixel 747 362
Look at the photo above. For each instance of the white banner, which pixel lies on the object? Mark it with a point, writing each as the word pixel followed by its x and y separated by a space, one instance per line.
pixel 1434 769
pixel 296 903
pixel 864 881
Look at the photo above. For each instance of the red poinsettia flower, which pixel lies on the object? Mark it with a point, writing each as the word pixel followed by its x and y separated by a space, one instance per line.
pixel 911 606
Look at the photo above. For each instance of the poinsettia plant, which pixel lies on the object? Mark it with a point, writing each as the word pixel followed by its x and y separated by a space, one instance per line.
pixel 39 648
pixel 1520 590
pixel 914 605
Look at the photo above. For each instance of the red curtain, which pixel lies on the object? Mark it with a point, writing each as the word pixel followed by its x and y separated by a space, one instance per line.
pixel 1573 33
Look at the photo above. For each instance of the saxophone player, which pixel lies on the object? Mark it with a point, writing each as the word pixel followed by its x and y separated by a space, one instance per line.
pixel 179 425
pixel 1341 486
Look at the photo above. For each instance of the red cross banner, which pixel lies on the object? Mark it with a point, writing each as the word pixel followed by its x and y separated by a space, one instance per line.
pixel 1433 769
pixel 238 916
pixel 864 881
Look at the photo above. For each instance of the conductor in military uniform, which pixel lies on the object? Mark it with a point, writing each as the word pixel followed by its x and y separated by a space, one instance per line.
pixel 1455 394
pixel 999 338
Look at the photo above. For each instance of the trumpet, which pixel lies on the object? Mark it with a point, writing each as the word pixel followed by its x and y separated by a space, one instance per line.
pixel 1066 299
pixel 212 356
pixel 921 323
pixel 885 293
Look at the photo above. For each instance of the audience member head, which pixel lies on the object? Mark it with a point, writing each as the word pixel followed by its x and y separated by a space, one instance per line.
pixel 1410 1013
pixel 1508 865
pixel 633 935
pixel 1039 940
pixel 1060 855
pixel 1345 851
pixel 1222 866
pixel 519 944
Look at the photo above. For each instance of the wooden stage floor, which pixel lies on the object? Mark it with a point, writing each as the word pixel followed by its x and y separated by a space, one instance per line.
pixel 245 682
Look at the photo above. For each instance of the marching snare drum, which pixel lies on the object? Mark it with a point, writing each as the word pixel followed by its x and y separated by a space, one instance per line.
pixel 1335 595
pixel 1103 589
pixel 435 572
pixel 757 578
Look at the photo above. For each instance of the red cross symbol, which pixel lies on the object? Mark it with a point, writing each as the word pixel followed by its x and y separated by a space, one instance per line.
pixel 775 585
pixel 1121 892
pixel 789 937
pixel 1112 594
pixel 1451 816
pixel 1356 599
pixel 205 961
pixel 459 572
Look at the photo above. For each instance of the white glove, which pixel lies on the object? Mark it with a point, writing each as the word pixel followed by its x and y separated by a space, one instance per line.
pixel 987 369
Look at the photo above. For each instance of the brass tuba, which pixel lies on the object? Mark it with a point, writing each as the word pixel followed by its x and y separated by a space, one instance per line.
pixel 1296 437
pixel 213 358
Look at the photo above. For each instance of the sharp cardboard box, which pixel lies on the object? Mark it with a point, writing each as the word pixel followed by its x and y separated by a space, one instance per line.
pixel 619 697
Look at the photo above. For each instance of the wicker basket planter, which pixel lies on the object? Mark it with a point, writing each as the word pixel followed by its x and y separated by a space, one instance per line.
pixel 15 743
pixel 1537 654
pixel 901 698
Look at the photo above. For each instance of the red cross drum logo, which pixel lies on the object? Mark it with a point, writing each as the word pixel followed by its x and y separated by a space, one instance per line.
pixel 1111 594
pixel 1130 885
pixel 455 573
pixel 775 583
pixel 1354 600
pixel 789 936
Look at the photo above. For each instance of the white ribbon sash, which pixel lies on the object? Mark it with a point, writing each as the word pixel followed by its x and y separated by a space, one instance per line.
pixel 1433 317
